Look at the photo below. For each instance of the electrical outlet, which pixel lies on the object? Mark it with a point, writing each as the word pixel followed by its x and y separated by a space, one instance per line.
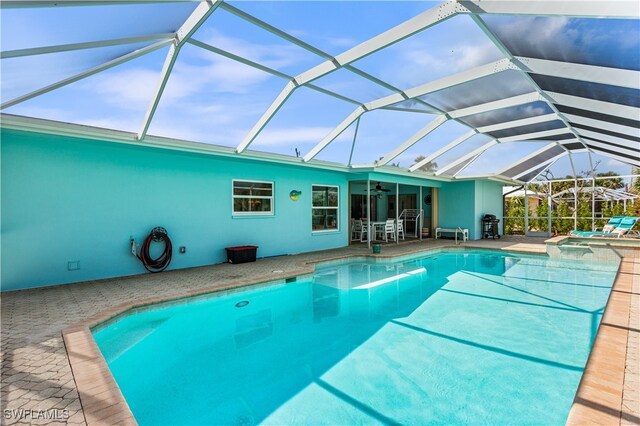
pixel 73 265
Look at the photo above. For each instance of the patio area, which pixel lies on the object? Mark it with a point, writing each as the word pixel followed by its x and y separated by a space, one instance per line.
pixel 37 377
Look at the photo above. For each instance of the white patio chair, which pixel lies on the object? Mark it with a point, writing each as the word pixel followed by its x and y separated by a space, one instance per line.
pixel 401 228
pixel 364 231
pixel 390 228
pixel 356 230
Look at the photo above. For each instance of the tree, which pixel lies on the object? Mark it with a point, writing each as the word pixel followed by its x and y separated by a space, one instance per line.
pixel 514 216
pixel 615 183
pixel 635 184
pixel 429 167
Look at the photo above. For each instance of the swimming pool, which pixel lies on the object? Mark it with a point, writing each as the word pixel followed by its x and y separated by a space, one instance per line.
pixel 451 338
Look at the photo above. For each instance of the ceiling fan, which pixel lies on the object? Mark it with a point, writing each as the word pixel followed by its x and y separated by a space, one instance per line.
pixel 379 189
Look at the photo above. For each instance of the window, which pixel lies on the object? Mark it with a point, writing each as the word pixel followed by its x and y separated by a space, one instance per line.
pixel 324 213
pixel 252 198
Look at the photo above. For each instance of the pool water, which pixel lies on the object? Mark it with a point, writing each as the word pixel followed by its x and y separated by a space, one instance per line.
pixel 457 337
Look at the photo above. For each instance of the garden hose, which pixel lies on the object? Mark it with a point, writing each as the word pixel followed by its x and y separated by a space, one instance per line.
pixel 161 263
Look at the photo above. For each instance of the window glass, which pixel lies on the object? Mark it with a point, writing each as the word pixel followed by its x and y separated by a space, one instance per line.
pixel 324 214
pixel 252 198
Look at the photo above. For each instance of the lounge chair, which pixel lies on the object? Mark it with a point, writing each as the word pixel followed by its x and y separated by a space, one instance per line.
pixel 625 229
pixel 618 226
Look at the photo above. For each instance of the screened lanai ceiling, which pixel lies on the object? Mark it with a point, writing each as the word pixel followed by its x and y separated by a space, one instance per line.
pixel 466 89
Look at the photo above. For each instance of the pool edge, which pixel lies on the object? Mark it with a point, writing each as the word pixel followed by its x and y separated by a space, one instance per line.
pixel 599 398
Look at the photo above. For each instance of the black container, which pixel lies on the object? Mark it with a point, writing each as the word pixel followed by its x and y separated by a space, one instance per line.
pixel 241 254
pixel 490 226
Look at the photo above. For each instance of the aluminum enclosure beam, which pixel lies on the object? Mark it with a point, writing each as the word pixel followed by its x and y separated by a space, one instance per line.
pixel 444 83
pixel 472 155
pixel 605 125
pixel 266 69
pixel 355 115
pixel 609 108
pixel 80 46
pixel 122 59
pixel 501 103
pixel 629 152
pixel 592 9
pixel 498 43
pixel 191 25
pixel 591 73
pixel 433 86
pixel 406 29
pixel 534 135
pixel 608 138
pixel 546 164
pixel 420 134
pixel 527 158
pixel 18 4
pixel 616 157
pixel 517 123
pixel 443 150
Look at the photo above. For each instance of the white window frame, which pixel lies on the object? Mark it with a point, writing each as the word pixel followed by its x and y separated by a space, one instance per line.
pixel 321 231
pixel 253 213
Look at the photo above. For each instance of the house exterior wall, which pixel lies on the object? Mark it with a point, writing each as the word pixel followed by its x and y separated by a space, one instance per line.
pixel 464 204
pixel 456 206
pixel 67 200
pixel 488 200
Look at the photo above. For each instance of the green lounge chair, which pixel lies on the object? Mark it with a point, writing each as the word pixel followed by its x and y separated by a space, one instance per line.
pixel 613 223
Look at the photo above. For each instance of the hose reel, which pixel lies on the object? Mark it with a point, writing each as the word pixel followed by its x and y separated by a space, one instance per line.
pixel 159 264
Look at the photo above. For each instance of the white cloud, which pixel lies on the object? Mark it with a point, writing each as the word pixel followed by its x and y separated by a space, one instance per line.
pixel 547 37
pixel 130 88
pixel 341 41
pixel 470 56
pixel 418 64
pixel 273 55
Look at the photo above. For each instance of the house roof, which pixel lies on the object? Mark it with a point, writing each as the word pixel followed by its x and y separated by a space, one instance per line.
pixel 510 85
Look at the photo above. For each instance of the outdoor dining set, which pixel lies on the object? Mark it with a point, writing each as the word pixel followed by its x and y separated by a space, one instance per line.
pixel 378 230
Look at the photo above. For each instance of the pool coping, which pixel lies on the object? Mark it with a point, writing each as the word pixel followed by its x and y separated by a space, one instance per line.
pixel 102 399
pixel 599 397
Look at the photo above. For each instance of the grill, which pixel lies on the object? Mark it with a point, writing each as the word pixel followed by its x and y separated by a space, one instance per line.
pixel 490 226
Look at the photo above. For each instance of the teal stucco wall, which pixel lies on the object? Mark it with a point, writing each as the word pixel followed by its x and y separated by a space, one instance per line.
pixel 456 206
pixel 488 200
pixel 66 199
pixel 464 204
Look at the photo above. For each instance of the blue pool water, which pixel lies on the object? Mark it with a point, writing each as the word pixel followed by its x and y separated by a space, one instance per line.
pixel 457 337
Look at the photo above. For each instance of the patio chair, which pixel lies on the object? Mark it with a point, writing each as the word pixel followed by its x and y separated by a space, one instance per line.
pixel 606 229
pixel 356 230
pixel 622 229
pixel 389 228
pixel 401 228
pixel 625 229
pixel 364 231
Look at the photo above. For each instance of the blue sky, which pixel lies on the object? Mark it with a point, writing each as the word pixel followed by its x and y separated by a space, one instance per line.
pixel 215 100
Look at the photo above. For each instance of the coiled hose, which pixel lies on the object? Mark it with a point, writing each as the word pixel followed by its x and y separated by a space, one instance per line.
pixel 161 263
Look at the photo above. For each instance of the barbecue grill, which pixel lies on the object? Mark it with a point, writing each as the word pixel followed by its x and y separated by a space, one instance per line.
pixel 490 226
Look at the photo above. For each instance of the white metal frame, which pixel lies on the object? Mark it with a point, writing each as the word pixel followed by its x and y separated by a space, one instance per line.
pixel 191 25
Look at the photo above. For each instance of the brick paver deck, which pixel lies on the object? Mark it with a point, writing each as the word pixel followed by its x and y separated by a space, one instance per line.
pixel 37 382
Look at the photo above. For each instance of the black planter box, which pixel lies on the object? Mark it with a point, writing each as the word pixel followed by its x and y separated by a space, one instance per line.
pixel 241 254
